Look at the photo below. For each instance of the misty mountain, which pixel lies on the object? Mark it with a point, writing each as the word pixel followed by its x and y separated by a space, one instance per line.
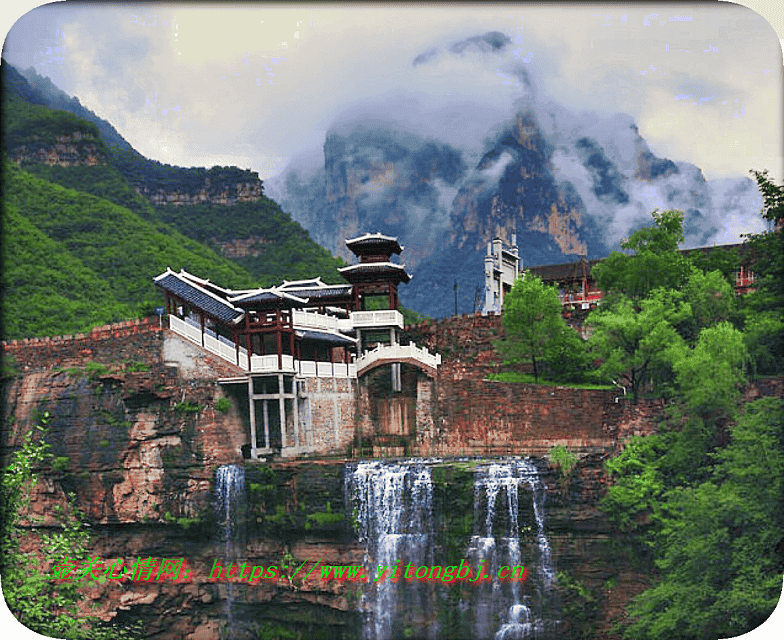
pixel 87 226
pixel 567 184
pixel 43 91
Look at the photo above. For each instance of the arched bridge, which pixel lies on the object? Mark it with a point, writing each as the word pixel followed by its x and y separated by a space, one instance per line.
pixel 390 354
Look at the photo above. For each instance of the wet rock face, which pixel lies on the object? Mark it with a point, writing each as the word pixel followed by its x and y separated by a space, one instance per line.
pixel 131 437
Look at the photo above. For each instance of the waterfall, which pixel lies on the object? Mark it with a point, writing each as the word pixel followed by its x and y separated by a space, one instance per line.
pixel 392 505
pixel 230 493
pixel 497 543
pixel 230 506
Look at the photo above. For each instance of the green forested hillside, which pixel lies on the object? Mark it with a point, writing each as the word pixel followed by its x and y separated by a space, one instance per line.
pixel 35 126
pixel 113 252
pixel 285 250
pixel 46 290
pixel 104 181
pixel 80 245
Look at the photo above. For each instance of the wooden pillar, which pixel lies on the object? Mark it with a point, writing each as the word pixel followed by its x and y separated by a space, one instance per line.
pixel 201 324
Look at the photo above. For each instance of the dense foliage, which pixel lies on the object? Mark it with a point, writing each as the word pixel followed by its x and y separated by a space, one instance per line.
pixel 150 175
pixel 706 493
pixel 39 602
pixel 277 247
pixel 104 181
pixel 46 289
pixel 537 333
pixel 112 252
pixel 34 127
pixel 763 309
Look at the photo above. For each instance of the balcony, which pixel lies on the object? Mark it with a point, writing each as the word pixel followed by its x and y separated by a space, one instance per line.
pixel 377 319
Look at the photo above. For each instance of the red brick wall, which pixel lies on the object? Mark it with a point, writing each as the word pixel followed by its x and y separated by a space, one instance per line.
pixel 132 340
pixel 474 416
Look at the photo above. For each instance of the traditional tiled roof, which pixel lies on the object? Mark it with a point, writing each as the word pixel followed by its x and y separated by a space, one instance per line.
pixel 187 288
pixel 565 271
pixel 365 270
pixel 324 336
pixel 374 241
pixel 268 295
pixel 315 289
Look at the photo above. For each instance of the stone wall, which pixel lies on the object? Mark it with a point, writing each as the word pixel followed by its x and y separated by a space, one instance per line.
pixel 108 344
pixel 475 416
pixel 331 407
pixel 482 417
pixel 458 414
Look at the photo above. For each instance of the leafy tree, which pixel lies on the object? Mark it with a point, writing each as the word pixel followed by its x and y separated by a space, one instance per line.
pixel 719 352
pixel 764 307
pixel 721 258
pixel 712 300
pixel 38 601
pixel 566 355
pixel 657 262
pixel 711 512
pixel 720 574
pixel 635 344
pixel 532 320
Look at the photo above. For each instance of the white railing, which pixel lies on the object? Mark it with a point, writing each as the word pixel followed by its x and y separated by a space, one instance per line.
pixel 383 318
pixel 398 352
pixel 226 350
pixel 307 320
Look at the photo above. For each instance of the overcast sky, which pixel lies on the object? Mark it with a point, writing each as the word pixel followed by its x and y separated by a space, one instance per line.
pixel 253 85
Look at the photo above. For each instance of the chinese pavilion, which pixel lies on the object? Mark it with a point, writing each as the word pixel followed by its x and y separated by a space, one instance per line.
pixel 280 336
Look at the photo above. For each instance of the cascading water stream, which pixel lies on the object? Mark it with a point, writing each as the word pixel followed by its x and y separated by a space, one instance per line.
pixel 230 506
pixel 494 551
pixel 392 507
pixel 393 511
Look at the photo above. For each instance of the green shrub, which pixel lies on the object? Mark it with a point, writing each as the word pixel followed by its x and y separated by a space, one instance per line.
pixel 188 407
pixel 564 459
pixel 61 463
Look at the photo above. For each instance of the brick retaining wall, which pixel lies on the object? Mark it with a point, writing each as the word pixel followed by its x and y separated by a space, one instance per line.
pixel 131 340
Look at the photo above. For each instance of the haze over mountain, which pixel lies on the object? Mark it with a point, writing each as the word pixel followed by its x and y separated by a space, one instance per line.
pixel 567 182
pixel 86 225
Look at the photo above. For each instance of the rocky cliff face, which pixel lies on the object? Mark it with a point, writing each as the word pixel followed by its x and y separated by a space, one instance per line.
pixel 141 441
pixel 567 184
pixel 137 440
pixel 207 194
pixel 147 441
pixel 73 149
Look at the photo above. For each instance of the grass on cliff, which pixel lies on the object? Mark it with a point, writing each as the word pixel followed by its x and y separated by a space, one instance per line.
pixel 528 378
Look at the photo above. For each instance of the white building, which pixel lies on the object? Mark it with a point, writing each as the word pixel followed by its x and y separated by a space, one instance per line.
pixel 502 266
